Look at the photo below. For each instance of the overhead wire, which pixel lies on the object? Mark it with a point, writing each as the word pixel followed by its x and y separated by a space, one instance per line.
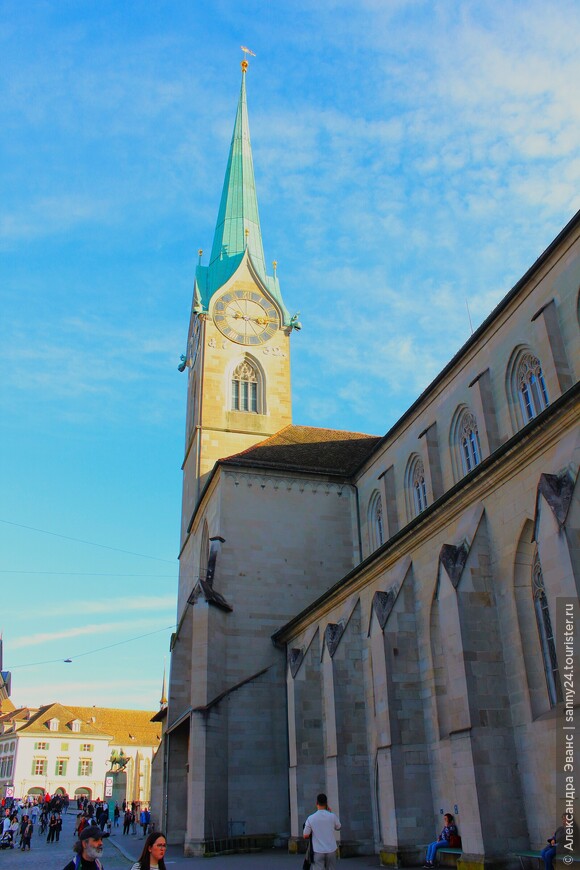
pixel 81 573
pixel 89 543
pixel 90 652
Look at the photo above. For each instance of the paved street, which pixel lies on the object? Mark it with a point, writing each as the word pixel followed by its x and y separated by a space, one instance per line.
pixel 121 851
pixel 54 856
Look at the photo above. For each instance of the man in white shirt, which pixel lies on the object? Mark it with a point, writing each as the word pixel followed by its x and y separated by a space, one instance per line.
pixel 321 826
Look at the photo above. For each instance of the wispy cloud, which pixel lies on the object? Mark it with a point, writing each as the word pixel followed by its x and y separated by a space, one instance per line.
pixel 162 604
pixel 108 629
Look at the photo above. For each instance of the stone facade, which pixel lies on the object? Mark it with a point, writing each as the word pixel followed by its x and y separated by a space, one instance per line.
pixel 458 710
pixel 406 581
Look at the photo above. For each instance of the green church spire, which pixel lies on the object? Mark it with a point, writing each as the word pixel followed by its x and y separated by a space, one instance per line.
pixel 238 222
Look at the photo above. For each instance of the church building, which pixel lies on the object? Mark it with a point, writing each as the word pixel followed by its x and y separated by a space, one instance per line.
pixel 373 617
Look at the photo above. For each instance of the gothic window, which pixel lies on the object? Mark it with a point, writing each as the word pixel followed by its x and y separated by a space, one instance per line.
pixel 532 391
pixel 191 409
pixel 546 633
pixel 376 522
pixel 204 552
pixel 415 486
pixel 465 444
pixel 245 388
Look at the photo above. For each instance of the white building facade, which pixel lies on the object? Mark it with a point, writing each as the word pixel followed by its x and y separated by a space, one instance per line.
pixel 64 750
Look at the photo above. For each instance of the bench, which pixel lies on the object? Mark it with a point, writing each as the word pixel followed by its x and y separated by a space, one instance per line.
pixel 533 853
pixel 447 850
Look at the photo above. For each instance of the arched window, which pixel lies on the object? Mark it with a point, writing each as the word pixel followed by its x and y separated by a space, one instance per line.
pixel 204 552
pixel 464 438
pixel 531 386
pixel 245 388
pixel 376 521
pixel 415 486
pixel 546 633
pixel 191 408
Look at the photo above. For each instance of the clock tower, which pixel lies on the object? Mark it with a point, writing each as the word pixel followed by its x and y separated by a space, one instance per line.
pixel 238 352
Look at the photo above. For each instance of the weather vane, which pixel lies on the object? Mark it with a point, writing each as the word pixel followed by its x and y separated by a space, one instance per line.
pixel 247 51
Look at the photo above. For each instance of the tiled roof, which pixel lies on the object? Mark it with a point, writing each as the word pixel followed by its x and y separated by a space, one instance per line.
pixel 40 718
pixel 307 448
pixel 123 728
pixel 127 727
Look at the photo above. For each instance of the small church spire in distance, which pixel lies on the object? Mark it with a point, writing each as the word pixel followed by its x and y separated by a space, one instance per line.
pixel 163 701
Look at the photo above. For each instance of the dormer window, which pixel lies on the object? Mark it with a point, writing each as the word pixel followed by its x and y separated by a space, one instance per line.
pixel 75 725
pixel 53 724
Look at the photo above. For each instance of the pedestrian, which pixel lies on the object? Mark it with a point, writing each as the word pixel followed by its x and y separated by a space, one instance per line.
pixel 443 840
pixel 21 829
pixel 144 819
pixel 321 826
pixel 153 854
pixel 557 840
pixel 127 820
pixel 116 814
pixel 26 835
pixel 88 849
pixel 52 826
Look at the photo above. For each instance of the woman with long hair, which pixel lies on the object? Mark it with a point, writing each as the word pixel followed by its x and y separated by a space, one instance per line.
pixel 153 854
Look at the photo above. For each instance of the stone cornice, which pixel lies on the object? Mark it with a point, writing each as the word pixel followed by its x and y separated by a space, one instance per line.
pixel 286 481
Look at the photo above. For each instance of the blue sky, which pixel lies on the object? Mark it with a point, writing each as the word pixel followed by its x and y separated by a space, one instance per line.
pixel 411 158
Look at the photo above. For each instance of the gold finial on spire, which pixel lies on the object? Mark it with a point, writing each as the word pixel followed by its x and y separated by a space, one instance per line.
pixel 200 255
pixel 247 51
pixel 275 266
pixel 246 234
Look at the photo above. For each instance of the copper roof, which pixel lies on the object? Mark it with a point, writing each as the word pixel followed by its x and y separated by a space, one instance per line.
pixel 307 448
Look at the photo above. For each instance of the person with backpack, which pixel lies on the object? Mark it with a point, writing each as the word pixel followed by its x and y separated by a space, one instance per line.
pixel 447 838
pixel 88 849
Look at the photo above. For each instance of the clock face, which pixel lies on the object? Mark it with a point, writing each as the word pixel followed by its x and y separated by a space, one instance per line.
pixel 246 317
pixel 194 339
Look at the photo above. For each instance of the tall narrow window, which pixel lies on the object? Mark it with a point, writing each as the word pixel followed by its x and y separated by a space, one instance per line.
pixel 532 390
pixel 419 488
pixel 245 388
pixel 204 551
pixel 469 442
pixel 546 633
pixel 415 486
pixel 376 522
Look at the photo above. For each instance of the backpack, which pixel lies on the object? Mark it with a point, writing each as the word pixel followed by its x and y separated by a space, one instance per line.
pixel 454 841
pixel 78 860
